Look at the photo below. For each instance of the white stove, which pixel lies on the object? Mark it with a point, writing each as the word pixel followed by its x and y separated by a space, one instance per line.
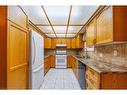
pixel 61 58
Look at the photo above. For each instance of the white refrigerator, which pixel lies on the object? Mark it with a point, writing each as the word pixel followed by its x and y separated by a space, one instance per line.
pixel 36 59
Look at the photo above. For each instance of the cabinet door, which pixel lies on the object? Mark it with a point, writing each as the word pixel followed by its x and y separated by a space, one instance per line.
pixel 59 41
pixel 79 41
pixel 52 61
pixel 68 42
pixel 73 43
pixel 69 65
pixel 17 53
pixel 105 26
pixel 53 43
pixel 90 33
pixel 17 75
pixel 63 41
pixel 47 42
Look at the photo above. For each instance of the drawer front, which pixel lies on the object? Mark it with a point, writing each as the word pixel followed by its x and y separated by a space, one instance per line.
pixel 94 82
pixel 93 77
pixel 90 72
pixel 90 86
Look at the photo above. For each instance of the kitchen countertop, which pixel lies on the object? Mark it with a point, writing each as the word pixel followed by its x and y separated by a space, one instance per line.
pixel 101 67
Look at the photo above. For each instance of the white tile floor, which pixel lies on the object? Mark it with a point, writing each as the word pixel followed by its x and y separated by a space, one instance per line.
pixel 60 79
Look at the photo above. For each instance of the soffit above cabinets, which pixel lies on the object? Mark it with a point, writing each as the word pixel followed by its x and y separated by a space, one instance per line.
pixel 59 21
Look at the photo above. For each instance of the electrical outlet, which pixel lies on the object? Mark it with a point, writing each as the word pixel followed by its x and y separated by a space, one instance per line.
pixel 115 52
pixel 101 55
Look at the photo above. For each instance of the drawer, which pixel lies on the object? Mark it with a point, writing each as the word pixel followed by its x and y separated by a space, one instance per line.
pixel 92 73
pixel 92 80
pixel 90 86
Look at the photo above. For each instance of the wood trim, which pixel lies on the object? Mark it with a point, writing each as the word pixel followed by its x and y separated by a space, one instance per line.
pixel 48 20
pixel 17 67
pixel 68 20
pixel 17 25
pixel 18 28
pixel 3 47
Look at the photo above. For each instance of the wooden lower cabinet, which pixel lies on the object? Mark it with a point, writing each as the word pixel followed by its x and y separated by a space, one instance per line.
pixel 74 65
pixel 52 61
pixel 49 62
pixel 92 79
pixel 108 80
pixel 46 64
pixel 69 64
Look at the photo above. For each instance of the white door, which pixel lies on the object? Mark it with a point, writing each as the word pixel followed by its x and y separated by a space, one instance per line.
pixel 37 59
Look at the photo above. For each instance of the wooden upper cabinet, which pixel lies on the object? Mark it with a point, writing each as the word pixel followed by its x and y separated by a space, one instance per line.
pixel 16 15
pixel 53 43
pixel 73 43
pixel 105 26
pixel 47 43
pixel 90 33
pixel 58 41
pixel 63 41
pixel 68 42
pixel 111 25
pixel 79 41
pixel 120 23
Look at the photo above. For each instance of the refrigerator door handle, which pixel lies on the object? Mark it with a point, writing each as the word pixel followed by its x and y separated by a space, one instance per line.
pixel 38 69
pixel 34 50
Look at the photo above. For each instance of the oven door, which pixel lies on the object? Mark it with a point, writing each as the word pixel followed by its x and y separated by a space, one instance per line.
pixel 61 61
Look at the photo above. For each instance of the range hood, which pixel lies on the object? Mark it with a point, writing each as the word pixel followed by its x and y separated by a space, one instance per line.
pixel 61 45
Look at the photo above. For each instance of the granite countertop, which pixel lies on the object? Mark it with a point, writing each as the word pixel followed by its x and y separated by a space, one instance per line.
pixel 101 67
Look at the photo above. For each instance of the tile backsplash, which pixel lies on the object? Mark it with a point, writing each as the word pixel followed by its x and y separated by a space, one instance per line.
pixel 114 54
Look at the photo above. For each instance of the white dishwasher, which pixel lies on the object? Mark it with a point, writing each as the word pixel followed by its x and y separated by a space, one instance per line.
pixel 61 58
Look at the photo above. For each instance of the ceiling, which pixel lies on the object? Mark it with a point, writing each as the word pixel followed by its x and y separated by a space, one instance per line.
pixel 59 21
